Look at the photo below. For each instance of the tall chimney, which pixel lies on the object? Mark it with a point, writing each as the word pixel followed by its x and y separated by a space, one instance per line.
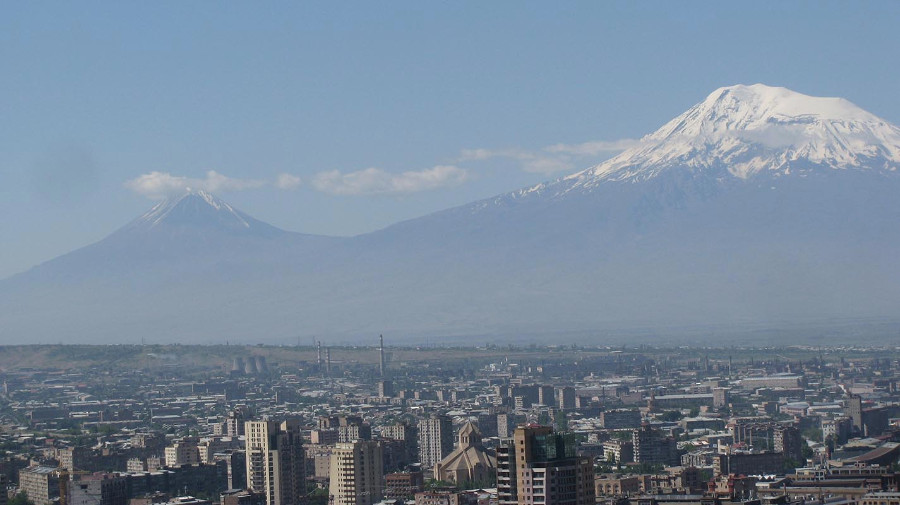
pixel 381 355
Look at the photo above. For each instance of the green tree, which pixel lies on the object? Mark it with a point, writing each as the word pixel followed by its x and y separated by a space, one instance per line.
pixel 318 496
pixel 807 451
pixel 670 416
pixel 431 484
pixel 814 434
pixel 20 499
pixel 790 465
pixel 544 419
pixel 562 422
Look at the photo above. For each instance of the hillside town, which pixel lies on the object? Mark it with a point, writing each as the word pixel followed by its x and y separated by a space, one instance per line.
pixel 553 425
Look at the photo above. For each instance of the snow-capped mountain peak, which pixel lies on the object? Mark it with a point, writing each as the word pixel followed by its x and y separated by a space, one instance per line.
pixel 199 209
pixel 747 131
pixel 192 203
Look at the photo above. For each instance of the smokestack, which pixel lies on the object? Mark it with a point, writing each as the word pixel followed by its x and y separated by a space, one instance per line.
pixel 328 360
pixel 381 355
pixel 319 354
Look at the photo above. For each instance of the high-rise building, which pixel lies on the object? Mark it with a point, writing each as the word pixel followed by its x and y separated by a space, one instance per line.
pixel 507 487
pixel 839 429
pixel 435 439
pixel 408 434
pixel 654 448
pixel 385 389
pixel 720 397
pixel 234 423
pixel 276 461
pixel 351 432
pixel 487 424
pixel 504 425
pixel 788 442
pixel 546 395
pixel 40 483
pixel 565 397
pixel 236 467
pixel 100 489
pixel 72 458
pixel 183 452
pixel 356 473
pixel 539 467
pixel 507 422
pixel 853 410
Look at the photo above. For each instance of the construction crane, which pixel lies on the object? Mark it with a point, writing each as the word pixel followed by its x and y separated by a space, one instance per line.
pixel 64 474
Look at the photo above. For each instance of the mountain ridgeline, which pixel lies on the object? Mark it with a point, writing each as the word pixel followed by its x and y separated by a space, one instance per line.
pixel 757 209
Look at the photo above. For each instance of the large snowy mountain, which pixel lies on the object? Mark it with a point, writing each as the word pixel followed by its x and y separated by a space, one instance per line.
pixel 757 208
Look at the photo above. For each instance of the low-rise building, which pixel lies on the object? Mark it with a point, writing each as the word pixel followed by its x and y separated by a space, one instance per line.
pixel 445 498
pixel 100 489
pixel 403 485
pixel 616 485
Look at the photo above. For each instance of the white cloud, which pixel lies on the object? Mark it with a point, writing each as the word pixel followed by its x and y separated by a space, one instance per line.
pixel 594 147
pixel 375 181
pixel 287 181
pixel 551 159
pixel 218 183
pixel 157 185
pixel 530 161
pixel 486 154
pixel 547 165
pixel 536 162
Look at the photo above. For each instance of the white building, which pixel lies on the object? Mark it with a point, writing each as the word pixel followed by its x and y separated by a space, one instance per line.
pixel 276 461
pixel 356 473
pixel 435 440
pixel 183 452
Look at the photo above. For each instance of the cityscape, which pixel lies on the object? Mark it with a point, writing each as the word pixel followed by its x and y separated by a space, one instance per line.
pixel 260 425
pixel 506 252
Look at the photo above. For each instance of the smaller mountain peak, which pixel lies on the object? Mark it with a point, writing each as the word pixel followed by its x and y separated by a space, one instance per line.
pixel 188 206
pixel 198 209
pixel 201 195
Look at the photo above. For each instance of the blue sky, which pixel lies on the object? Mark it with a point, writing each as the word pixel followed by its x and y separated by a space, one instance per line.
pixel 342 118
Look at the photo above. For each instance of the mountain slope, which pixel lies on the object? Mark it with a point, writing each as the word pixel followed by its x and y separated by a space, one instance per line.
pixel 191 235
pixel 756 207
